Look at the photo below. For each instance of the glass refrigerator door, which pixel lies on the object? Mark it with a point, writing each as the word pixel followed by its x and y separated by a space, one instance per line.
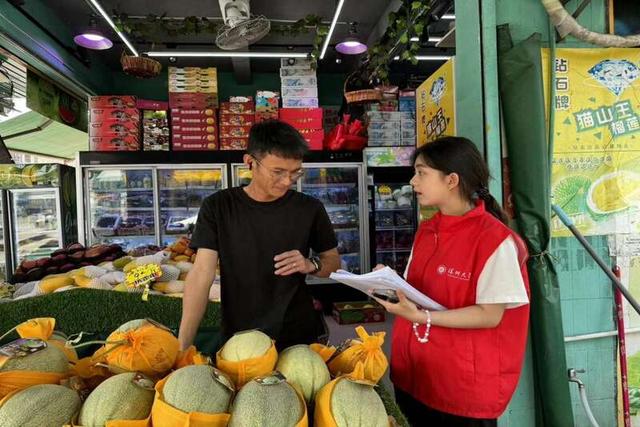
pixel 338 188
pixel 181 194
pixel 35 219
pixel 120 207
pixel 394 225
pixel 241 175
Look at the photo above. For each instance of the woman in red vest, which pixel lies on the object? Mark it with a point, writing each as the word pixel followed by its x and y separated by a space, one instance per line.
pixel 460 367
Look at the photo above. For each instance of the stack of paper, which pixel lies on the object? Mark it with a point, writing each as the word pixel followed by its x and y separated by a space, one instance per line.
pixel 385 278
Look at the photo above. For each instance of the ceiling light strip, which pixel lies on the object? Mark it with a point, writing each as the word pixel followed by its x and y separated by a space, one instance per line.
pixel 427 58
pixel 107 18
pixel 331 28
pixel 179 54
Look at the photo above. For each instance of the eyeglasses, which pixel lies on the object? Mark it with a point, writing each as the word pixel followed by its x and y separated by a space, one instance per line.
pixel 280 175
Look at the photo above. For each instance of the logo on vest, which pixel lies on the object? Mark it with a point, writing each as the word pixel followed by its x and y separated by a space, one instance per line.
pixel 453 273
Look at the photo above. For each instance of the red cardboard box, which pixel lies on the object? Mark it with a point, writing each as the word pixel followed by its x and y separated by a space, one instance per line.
pixel 227 119
pixel 117 143
pixel 112 101
pixel 102 114
pixel 314 138
pixel 262 116
pixel 186 96
pixel 182 142
pixel 189 146
pixel 148 104
pixel 195 138
pixel 114 127
pixel 234 143
pixel 193 112
pixel 300 113
pixel 234 131
pixel 192 105
pixel 358 312
pixel 237 108
pixel 194 129
pixel 193 120
pixel 304 122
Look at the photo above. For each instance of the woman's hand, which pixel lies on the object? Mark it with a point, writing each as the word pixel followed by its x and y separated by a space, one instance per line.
pixel 403 308
pixel 378 267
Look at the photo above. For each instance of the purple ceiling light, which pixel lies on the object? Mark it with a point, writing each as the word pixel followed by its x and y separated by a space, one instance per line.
pixel 351 45
pixel 92 38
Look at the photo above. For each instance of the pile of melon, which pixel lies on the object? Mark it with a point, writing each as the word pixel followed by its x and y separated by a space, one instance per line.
pixel 280 392
pixel 58 273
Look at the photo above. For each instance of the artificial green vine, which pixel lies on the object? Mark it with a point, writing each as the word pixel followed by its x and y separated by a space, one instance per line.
pixel 404 24
pixel 151 26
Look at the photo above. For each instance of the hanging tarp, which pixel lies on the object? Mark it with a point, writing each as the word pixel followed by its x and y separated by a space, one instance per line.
pixel 522 97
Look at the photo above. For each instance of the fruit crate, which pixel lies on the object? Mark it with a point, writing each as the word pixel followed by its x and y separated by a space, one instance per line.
pixel 346 313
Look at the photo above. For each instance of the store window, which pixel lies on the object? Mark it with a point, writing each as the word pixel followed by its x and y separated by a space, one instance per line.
pixel 39 121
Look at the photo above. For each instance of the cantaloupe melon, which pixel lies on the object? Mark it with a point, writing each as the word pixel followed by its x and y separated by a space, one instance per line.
pixel 45 405
pixel 357 405
pixel 266 402
pixel 199 388
pixel 50 359
pixel 132 324
pixel 117 398
pixel 246 345
pixel 304 368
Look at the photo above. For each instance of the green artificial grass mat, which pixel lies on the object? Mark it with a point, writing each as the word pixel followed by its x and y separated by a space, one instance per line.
pixel 99 311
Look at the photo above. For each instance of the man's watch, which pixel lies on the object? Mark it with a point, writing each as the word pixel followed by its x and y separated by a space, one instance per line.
pixel 316 264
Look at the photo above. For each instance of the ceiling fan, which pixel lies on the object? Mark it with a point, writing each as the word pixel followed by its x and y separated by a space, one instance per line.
pixel 240 27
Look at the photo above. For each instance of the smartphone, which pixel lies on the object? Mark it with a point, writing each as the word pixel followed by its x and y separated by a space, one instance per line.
pixel 386 295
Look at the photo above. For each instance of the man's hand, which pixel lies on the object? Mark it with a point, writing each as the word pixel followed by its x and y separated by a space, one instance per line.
pixel 291 262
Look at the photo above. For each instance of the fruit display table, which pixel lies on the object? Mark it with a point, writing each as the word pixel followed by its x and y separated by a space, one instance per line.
pixel 98 312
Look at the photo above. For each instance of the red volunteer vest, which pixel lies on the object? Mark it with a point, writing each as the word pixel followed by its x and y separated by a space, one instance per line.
pixel 466 372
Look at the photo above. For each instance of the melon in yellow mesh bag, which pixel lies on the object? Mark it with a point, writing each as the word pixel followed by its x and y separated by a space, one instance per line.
pixel 140 345
pixel 350 401
pixel 148 347
pixel 368 350
pixel 247 355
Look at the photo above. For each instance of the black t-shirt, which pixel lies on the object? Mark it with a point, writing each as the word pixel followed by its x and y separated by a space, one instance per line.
pixel 247 235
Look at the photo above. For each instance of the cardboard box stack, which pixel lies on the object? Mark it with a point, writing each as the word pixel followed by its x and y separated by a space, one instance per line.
pixel 193 97
pixel 155 125
pixel 299 83
pixel 236 118
pixel 391 128
pixel 114 123
pixel 308 121
pixel 407 104
pixel 267 105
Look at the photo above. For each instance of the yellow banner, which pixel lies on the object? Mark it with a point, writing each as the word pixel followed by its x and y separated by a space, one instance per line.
pixel 596 163
pixel 435 105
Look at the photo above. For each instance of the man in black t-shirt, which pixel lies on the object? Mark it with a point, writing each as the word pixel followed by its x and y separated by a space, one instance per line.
pixel 262 235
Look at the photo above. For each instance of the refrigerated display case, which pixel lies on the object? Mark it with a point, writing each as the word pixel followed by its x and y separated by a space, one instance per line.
pixel 393 216
pixel 156 195
pixel 38 210
pixel 151 198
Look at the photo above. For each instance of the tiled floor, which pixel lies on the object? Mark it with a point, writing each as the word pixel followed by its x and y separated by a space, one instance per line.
pixel 338 333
